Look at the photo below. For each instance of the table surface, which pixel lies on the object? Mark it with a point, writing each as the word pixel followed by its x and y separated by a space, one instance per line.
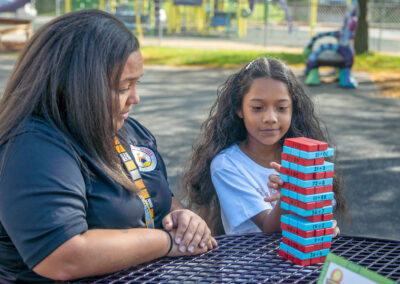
pixel 254 258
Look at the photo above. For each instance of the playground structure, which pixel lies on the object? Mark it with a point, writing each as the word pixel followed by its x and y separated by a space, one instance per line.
pixel 208 16
pixel 339 55
pixel 125 10
pixel 203 17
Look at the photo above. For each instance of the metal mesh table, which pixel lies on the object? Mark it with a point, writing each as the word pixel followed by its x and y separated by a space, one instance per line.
pixel 254 258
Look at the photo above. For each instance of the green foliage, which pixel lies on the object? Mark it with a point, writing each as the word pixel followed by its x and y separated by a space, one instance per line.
pixel 276 14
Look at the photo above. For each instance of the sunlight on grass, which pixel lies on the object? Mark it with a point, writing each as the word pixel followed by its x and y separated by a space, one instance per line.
pixel 220 58
pixel 384 69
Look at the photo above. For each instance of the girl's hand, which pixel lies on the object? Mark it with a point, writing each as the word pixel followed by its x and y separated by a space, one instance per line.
pixel 274 183
pixel 336 230
pixel 192 232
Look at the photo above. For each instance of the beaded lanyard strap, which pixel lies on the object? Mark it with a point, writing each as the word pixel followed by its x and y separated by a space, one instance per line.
pixel 134 172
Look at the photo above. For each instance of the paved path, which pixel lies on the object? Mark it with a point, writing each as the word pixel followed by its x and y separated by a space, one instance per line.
pixel 364 125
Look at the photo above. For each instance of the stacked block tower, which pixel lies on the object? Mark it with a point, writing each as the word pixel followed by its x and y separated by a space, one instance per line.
pixel 307 195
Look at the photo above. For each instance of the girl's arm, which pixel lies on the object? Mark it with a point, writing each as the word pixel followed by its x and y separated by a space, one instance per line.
pixel 269 221
pixel 99 251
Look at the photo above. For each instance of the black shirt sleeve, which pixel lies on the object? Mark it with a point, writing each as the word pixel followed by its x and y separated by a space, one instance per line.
pixel 42 195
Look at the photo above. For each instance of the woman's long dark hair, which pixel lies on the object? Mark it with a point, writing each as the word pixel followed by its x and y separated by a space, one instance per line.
pixel 224 128
pixel 68 74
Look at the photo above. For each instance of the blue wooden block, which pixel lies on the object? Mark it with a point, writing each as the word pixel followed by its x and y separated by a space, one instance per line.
pixel 285 219
pixel 285 178
pixel 307 241
pixel 326 167
pixel 315 197
pixel 303 255
pixel 303 224
pixel 307 198
pixel 308 155
pixel 306 183
pixel 306 213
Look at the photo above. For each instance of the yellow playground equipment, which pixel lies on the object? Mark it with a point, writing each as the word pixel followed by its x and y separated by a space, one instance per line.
pixel 207 16
pixel 125 10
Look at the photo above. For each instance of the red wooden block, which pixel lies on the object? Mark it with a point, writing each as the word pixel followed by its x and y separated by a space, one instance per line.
pixel 319 232
pixel 328 231
pixel 302 161
pixel 323 188
pixel 303 176
pixel 329 174
pixel 316 218
pixel 326 245
pixel 307 248
pixel 305 262
pixel 297 231
pixel 307 205
pixel 317 260
pixel 319 175
pixel 322 146
pixel 283 254
pixel 308 146
pixel 301 144
pixel 327 217
pixel 307 190
pixel 299 247
pixel 289 142
pixel 302 262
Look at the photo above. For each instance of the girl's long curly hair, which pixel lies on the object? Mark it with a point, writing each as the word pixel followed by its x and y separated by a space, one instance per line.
pixel 224 127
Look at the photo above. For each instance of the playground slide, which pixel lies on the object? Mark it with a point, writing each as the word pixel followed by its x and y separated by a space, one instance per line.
pixel 11 5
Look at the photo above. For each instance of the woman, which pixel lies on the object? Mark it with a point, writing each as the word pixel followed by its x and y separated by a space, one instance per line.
pixel 78 195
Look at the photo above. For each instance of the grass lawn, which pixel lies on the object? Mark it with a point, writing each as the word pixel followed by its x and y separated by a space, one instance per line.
pixel 384 69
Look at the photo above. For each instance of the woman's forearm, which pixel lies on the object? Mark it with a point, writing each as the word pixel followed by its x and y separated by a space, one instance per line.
pixel 98 251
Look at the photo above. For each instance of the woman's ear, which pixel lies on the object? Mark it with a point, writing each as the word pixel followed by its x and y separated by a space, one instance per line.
pixel 239 113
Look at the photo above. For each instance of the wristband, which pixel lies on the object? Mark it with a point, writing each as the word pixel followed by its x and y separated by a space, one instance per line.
pixel 171 241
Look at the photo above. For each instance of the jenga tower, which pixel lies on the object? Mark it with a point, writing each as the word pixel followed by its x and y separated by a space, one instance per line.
pixel 307 194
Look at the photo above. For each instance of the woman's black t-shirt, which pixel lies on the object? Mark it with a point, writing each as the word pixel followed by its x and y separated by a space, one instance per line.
pixel 46 197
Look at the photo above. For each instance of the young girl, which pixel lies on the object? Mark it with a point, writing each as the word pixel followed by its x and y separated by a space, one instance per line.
pixel 240 148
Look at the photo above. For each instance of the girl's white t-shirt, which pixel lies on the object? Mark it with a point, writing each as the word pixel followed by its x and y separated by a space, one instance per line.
pixel 241 185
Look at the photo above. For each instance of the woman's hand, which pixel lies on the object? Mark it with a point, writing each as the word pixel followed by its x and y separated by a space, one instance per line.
pixel 274 183
pixel 190 232
pixel 175 251
pixel 336 230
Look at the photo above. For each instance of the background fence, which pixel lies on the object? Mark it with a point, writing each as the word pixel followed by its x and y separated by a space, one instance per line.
pixel 268 23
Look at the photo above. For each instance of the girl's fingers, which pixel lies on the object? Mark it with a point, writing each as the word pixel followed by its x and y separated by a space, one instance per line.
pixel 272 198
pixel 336 230
pixel 276 166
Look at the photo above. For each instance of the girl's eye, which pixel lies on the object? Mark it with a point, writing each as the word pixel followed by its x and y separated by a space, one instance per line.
pixel 256 108
pixel 283 108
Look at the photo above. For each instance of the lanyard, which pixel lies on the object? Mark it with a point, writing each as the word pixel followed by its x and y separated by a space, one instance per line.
pixel 134 172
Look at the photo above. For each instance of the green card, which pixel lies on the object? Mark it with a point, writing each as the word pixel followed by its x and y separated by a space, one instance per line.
pixel 338 270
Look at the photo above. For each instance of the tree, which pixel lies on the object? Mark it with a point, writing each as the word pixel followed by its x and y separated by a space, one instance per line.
pixel 361 39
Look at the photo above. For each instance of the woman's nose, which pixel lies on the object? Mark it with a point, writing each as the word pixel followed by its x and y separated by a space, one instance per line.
pixel 134 98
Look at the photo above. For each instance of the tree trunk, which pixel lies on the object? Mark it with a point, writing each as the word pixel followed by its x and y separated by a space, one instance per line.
pixel 361 39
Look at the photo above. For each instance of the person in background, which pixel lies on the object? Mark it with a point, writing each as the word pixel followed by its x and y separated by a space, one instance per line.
pixel 83 189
